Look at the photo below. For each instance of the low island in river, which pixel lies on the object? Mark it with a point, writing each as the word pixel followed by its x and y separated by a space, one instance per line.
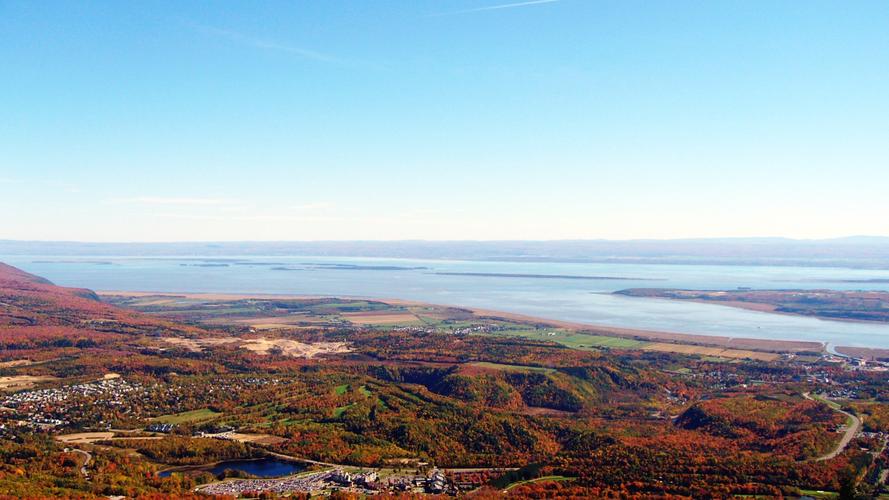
pixel 826 304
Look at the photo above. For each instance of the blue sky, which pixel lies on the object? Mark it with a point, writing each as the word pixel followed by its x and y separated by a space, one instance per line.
pixel 458 119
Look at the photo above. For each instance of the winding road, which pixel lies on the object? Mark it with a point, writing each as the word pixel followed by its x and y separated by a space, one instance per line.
pixel 851 431
pixel 86 460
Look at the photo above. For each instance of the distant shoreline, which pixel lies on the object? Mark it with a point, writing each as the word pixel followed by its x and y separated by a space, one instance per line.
pixel 853 252
pixel 548 276
pixel 767 345
pixel 718 298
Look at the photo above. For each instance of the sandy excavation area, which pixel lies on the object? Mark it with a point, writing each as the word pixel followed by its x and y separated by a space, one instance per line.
pixel 20 382
pixel 241 437
pixel 16 362
pixel 263 345
pixel 84 437
pixel 293 348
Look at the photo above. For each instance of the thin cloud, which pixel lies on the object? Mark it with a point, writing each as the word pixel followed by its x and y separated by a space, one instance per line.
pixel 251 218
pixel 271 45
pixel 313 206
pixel 260 43
pixel 499 7
pixel 156 200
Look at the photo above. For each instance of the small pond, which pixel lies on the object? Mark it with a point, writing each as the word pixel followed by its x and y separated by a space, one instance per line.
pixel 263 467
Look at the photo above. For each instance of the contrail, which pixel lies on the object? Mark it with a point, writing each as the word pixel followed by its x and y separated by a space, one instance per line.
pixel 499 7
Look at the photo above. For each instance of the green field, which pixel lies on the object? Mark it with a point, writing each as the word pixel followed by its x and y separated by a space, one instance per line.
pixel 187 416
pixel 539 479
pixel 341 389
pixel 513 368
pixel 834 405
pixel 338 412
pixel 350 306
pixel 819 494
pixel 574 340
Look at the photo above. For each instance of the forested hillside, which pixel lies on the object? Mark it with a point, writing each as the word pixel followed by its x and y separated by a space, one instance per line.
pixel 459 394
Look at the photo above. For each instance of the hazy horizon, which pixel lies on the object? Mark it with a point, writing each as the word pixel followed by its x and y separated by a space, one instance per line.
pixel 854 238
pixel 854 253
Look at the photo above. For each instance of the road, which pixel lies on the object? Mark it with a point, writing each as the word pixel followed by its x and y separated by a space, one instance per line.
pixel 850 433
pixel 86 460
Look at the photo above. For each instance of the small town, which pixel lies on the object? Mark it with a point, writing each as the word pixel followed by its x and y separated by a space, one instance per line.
pixel 337 479
pixel 49 408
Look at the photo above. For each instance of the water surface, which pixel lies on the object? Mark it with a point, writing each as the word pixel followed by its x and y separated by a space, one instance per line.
pixel 580 292
pixel 263 467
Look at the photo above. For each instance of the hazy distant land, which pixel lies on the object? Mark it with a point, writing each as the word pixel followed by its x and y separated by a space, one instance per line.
pixel 853 252
pixel 546 276
pixel 825 304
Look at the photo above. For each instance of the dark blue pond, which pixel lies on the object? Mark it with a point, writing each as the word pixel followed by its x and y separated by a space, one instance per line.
pixel 263 467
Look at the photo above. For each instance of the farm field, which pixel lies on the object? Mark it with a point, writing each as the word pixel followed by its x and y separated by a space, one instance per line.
pixel 574 339
pixel 712 351
pixel 187 416
pixel 382 318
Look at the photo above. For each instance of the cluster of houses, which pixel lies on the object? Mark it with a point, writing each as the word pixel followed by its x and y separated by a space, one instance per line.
pixel 435 482
pixel 365 482
pixel 475 329
pixel 466 330
pixel 49 408
pixel 843 392
pixel 719 379
pixel 415 329
pixel 308 483
pixel 868 366
pixel 160 427
pixel 853 363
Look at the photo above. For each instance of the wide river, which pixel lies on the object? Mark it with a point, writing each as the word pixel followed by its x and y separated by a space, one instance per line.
pixel 473 283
